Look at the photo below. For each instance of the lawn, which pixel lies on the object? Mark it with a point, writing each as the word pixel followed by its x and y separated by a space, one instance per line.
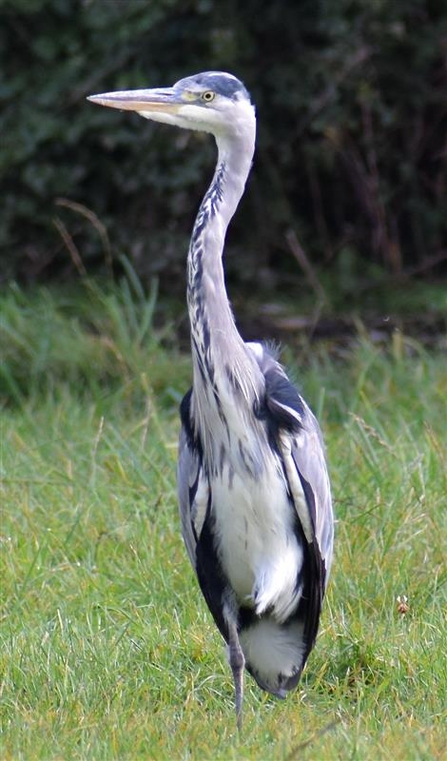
pixel 107 648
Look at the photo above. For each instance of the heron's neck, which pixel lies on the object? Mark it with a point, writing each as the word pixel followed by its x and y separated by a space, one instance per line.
pixel 218 350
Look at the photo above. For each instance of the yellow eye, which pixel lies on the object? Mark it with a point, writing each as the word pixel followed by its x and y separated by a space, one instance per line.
pixel 209 95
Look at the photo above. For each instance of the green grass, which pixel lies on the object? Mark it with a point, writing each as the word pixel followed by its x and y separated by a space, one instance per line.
pixel 107 648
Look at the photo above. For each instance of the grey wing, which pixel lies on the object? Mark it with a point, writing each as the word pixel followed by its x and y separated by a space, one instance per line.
pixel 295 429
pixel 308 456
pixel 295 433
pixel 193 494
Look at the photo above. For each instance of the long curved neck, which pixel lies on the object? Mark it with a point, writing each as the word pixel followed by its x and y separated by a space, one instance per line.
pixel 223 368
pixel 208 305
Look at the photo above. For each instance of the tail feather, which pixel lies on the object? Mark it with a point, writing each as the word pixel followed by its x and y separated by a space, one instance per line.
pixel 275 653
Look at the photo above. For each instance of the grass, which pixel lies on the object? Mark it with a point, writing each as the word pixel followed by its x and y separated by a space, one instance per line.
pixel 107 648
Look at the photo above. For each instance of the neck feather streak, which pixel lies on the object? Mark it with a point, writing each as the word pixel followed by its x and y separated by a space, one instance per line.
pixel 223 367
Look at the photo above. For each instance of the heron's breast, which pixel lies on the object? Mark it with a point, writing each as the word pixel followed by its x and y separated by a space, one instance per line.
pixel 256 539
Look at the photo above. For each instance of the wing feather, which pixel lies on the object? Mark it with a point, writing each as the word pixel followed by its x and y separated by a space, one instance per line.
pixel 295 430
pixel 307 451
pixel 194 495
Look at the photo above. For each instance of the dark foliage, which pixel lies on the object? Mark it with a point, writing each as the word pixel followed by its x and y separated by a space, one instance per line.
pixel 351 99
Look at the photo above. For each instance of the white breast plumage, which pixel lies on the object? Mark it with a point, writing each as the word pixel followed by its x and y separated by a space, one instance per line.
pixel 258 547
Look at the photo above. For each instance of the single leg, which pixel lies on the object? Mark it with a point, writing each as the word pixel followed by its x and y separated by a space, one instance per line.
pixel 237 663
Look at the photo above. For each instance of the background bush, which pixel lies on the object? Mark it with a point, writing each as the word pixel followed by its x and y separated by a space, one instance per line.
pixel 351 150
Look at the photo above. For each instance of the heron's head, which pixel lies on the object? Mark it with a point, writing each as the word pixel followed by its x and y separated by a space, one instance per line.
pixel 213 101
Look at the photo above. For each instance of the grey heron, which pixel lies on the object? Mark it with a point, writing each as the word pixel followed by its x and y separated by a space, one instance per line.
pixel 253 486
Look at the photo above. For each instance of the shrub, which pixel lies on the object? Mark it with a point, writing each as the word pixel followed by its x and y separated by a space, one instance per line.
pixel 351 149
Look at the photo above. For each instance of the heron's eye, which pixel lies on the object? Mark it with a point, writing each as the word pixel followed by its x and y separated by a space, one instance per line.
pixel 209 95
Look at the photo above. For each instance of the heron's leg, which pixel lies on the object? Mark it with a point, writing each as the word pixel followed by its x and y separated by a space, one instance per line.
pixel 237 663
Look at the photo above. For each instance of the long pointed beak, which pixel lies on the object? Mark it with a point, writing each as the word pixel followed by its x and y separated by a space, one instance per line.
pixel 161 100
